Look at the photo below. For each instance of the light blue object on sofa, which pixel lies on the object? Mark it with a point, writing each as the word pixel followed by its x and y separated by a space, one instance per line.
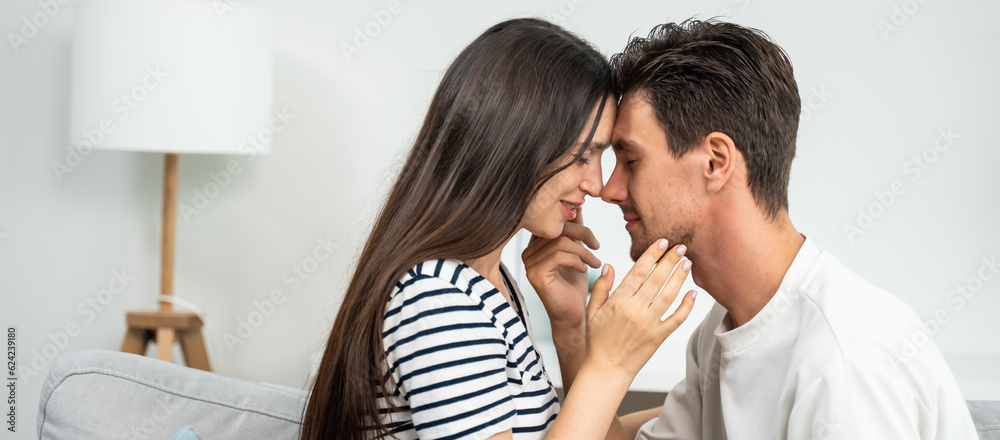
pixel 186 433
pixel 105 394
pixel 97 394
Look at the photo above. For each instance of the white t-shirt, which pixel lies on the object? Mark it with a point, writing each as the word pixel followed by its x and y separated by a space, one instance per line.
pixel 463 361
pixel 826 358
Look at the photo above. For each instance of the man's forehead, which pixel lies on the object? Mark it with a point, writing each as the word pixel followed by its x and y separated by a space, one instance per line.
pixel 623 137
pixel 636 119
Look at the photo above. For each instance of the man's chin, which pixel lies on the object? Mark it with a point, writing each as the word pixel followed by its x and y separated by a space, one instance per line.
pixel 639 246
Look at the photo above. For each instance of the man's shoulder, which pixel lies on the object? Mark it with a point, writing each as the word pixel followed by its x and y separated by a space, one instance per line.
pixel 839 296
pixel 856 322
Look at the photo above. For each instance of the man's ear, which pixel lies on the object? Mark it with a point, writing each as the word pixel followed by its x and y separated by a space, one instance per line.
pixel 721 154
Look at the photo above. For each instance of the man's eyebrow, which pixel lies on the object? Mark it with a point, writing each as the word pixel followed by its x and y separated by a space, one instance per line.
pixel 624 144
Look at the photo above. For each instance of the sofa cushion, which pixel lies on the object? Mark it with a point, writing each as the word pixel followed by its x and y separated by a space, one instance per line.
pixel 105 394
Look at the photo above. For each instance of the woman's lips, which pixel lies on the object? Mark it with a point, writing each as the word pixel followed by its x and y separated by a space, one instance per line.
pixel 569 213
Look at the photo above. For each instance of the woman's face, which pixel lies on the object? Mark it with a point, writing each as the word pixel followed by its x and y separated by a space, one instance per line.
pixel 559 198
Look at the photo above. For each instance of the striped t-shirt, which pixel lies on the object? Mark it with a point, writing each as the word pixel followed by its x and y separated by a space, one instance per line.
pixel 461 361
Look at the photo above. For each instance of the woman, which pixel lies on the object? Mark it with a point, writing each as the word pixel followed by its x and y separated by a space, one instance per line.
pixel 431 340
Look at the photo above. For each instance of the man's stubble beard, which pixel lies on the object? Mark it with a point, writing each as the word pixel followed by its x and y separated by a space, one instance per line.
pixel 677 235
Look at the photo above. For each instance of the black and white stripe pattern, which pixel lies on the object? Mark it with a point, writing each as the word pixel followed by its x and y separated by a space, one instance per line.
pixel 461 360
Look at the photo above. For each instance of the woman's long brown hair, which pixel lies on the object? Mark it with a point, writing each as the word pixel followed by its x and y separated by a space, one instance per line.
pixel 507 112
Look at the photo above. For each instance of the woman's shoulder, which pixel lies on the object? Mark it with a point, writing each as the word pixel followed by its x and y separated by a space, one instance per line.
pixel 430 274
pixel 429 284
pixel 446 270
pixel 444 292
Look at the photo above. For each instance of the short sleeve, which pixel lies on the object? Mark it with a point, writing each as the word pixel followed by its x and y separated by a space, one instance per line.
pixel 448 360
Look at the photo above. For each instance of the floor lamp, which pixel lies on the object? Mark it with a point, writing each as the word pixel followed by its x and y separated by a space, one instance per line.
pixel 170 77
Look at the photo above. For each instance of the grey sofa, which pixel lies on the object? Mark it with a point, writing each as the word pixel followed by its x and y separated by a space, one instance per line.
pixel 105 394
pixel 100 394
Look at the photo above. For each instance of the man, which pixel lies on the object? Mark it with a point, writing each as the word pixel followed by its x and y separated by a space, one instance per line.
pixel 798 346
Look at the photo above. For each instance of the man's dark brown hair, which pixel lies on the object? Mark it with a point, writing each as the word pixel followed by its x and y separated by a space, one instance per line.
pixel 708 76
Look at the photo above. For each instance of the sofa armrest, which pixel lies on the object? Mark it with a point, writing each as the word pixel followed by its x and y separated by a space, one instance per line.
pixel 107 394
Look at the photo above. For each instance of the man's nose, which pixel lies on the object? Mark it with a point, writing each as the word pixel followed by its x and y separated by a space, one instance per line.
pixel 615 190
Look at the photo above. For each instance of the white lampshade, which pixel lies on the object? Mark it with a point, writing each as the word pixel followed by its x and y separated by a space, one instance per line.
pixel 175 76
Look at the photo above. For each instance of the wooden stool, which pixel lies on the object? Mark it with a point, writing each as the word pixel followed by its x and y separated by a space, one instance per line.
pixel 162 327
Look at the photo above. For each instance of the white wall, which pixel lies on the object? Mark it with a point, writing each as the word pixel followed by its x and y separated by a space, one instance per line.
pixel 884 100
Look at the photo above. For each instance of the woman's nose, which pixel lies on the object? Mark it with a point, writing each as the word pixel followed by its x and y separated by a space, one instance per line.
pixel 614 192
pixel 593 184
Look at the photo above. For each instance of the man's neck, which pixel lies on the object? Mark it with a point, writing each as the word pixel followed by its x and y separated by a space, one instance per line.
pixel 744 266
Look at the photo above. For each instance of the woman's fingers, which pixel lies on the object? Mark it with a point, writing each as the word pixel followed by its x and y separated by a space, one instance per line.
pixel 622 331
pixel 654 282
pixel 570 260
pixel 578 231
pixel 666 298
pixel 674 320
pixel 634 278
pixel 599 294
pixel 561 244
pixel 573 231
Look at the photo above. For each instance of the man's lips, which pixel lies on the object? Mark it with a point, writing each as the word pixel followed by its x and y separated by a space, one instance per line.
pixel 631 221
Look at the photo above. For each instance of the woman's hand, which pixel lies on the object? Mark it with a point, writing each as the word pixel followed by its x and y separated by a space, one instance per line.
pixel 557 269
pixel 624 330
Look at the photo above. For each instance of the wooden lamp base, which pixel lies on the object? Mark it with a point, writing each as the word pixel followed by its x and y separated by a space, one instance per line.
pixel 166 325
pixel 162 327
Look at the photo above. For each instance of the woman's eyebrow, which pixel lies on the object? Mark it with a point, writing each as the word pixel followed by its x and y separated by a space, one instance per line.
pixel 599 145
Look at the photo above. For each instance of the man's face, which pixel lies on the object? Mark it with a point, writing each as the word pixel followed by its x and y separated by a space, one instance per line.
pixel 656 192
